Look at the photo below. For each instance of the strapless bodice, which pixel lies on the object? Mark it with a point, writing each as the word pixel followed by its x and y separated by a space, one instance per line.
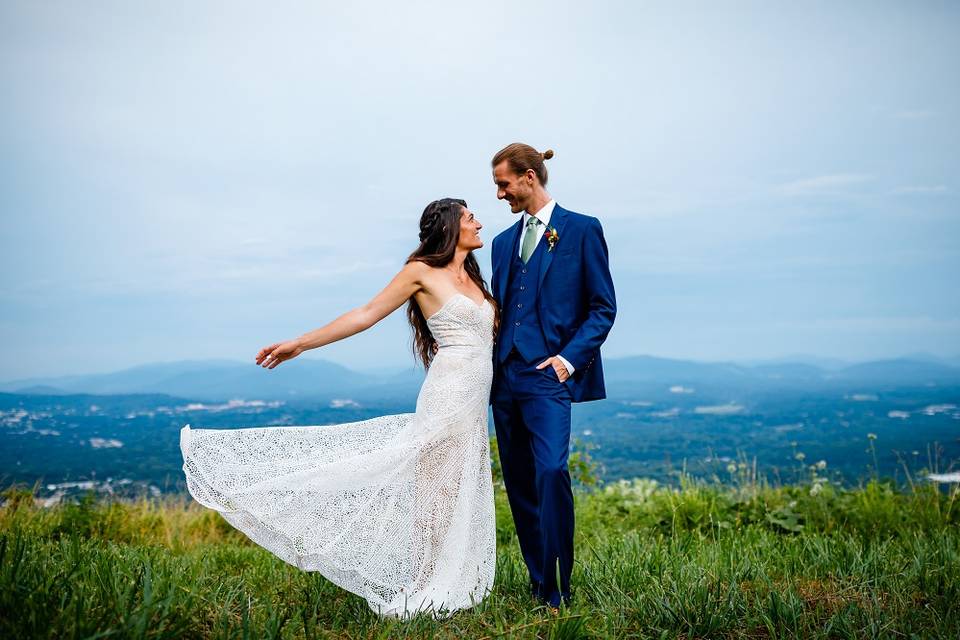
pixel 461 322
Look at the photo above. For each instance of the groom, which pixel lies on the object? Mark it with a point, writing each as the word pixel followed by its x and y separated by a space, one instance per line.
pixel 551 280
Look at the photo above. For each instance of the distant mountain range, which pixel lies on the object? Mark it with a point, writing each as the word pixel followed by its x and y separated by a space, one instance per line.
pixel 833 364
pixel 224 379
pixel 313 379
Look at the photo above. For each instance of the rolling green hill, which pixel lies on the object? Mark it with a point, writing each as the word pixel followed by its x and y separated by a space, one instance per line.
pixel 742 559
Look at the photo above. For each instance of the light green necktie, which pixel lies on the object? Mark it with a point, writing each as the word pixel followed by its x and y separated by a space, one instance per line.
pixel 529 239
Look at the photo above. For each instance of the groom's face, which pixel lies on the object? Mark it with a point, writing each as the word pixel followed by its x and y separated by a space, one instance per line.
pixel 516 189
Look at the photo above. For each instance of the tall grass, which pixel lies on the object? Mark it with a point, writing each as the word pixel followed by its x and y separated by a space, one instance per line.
pixel 737 558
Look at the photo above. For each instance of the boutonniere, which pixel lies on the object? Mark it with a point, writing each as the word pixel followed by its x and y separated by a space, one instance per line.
pixel 552 236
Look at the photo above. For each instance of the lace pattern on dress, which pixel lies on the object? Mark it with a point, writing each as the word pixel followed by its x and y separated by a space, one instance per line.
pixel 397 509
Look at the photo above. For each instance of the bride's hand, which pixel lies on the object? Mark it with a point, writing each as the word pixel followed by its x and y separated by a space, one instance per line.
pixel 273 355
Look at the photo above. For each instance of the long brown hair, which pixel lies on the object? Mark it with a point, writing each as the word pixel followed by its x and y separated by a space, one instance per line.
pixel 522 157
pixel 439 235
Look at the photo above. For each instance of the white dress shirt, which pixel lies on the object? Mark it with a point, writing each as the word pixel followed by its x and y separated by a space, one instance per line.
pixel 544 216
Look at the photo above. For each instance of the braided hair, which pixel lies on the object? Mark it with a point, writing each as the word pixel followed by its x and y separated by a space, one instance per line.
pixel 439 236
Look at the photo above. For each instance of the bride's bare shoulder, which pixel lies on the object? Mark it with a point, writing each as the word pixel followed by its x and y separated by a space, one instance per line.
pixel 422 271
pixel 428 280
pixel 416 269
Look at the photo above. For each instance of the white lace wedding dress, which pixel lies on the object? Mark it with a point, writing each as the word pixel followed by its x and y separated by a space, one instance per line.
pixel 397 509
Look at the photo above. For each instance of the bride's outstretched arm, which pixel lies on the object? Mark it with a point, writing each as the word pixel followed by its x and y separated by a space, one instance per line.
pixel 404 284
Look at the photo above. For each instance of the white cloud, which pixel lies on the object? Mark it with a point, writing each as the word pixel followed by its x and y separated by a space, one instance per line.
pixel 921 190
pixel 823 184
pixel 913 324
pixel 174 171
pixel 915 114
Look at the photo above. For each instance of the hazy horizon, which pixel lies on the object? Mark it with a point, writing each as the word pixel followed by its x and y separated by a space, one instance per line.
pixel 823 361
pixel 196 182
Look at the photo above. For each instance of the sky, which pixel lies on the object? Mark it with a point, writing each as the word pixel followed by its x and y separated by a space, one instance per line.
pixel 185 181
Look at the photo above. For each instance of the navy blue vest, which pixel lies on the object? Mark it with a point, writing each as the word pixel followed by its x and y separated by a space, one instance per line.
pixel 520 319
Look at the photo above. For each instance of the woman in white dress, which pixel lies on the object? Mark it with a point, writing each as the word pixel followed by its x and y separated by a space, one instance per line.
pixel 397 509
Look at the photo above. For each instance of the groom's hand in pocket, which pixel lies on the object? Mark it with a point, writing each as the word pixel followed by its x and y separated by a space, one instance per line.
pixel 558 366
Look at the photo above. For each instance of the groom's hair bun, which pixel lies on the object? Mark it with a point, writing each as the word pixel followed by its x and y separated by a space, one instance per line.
pixel 522 158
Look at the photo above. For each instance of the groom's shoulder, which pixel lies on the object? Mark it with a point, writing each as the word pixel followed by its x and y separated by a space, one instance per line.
pixel 580 219
pixel 503 234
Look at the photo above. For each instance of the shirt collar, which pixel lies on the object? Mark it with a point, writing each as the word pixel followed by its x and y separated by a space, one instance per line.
pixel 543 214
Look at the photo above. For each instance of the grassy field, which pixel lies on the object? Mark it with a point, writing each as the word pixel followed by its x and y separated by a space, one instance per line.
pixel 739 558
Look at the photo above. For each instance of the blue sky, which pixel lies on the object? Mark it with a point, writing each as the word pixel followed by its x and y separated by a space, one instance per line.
pixel 182 181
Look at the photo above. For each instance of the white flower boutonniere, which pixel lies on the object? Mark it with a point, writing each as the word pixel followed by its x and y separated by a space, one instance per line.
pixel 552 237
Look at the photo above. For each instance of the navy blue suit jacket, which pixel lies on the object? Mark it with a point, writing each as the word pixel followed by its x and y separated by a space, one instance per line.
pixel 576 301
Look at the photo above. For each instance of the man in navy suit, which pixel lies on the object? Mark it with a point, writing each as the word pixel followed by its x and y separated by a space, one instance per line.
pixel 551 280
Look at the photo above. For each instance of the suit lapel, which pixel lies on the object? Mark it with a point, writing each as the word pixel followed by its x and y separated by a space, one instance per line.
pixel 557 220
pixel 506 257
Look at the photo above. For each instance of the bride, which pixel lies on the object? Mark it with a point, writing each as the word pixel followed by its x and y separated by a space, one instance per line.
pixel 397 509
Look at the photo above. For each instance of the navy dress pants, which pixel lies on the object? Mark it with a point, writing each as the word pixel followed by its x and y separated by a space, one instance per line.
pixel 531 414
